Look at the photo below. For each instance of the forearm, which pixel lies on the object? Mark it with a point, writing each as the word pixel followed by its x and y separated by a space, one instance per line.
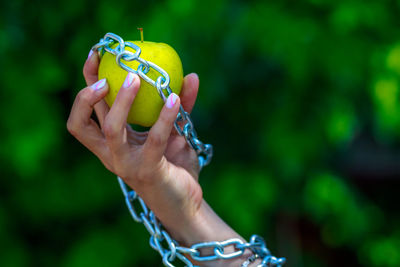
pixel 207 226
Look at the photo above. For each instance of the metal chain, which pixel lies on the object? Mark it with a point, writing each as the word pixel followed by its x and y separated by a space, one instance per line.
pixel 172 252
pixel 169 249
pixel 204 151
pixel 249 260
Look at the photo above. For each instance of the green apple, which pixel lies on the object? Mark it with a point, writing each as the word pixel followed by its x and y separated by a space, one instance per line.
pixel 147 105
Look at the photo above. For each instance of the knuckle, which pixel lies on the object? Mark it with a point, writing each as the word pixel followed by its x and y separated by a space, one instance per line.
pixel 71 127
pixel 84 96
pixel 109 129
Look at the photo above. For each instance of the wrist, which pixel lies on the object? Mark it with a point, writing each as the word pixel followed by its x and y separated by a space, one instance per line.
pixel 204 226
pixel 207 226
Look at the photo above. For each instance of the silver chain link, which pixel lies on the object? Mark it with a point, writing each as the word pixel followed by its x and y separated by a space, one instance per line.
pixel 169 249
pixel 204 151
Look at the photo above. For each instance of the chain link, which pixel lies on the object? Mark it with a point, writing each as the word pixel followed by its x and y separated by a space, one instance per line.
pixel 204 151
pixel 171 251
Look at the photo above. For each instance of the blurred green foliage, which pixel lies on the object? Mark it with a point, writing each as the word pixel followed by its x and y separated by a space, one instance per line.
pixel 299 98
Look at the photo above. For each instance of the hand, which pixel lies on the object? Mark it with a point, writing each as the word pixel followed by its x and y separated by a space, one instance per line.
pixel 155 161
pixel 158 164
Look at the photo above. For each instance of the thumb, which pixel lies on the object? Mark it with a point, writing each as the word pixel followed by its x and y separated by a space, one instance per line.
pixel 159 134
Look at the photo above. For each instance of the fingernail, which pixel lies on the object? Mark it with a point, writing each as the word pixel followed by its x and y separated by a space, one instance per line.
pixel 128 80
pixel 99 84
pixel 171 100
pixel 195 74
pixel 90 53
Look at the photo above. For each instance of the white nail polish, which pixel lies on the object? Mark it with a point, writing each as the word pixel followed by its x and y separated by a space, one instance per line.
pixel 171 100
pixel 90 54
pixel 99 84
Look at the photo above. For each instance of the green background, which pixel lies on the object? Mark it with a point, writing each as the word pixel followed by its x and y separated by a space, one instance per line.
pixel 299 98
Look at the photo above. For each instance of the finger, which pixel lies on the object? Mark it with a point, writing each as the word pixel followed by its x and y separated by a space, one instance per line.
pixel 80 124
pixel 189 91
pixel 115 121
pixel 90 69
pixel 102 110
pixel 157 139
pixel 90 72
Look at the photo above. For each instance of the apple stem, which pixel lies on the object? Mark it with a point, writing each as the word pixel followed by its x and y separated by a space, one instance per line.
pixel 141 34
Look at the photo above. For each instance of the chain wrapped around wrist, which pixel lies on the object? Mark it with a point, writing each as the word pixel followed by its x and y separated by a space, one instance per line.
pixel 158 236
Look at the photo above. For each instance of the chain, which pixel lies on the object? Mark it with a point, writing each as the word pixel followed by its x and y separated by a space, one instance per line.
pixel 249 260
pixel 169 249
pixel 204 151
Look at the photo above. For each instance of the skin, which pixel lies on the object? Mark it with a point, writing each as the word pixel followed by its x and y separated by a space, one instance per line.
pixel 158 164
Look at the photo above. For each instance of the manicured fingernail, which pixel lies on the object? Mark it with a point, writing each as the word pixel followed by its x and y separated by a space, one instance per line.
pixel 99 84
pixel 90 53
pixel 171 100
pixel 128 80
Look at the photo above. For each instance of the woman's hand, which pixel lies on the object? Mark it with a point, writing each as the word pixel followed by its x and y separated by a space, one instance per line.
pixel 158 164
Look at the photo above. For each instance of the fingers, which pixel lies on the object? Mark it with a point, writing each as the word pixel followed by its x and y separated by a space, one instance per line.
pixel 189 91
pixel 101 108
pixel 115 122
pixel 79 122
pixel 90 72
pixel 90 69
pixel 157 140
